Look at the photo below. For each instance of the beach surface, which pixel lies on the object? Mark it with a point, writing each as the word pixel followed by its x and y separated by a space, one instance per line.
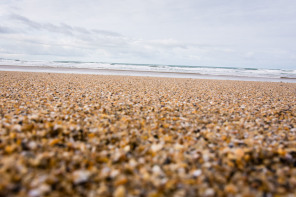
pixel 99 135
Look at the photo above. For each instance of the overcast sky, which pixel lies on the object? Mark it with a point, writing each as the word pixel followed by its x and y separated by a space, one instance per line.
pixel 241 33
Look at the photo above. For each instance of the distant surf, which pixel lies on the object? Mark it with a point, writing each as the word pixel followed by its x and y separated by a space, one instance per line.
pixel 236 73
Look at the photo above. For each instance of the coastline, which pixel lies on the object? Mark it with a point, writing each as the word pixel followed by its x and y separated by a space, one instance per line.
pixel 119 72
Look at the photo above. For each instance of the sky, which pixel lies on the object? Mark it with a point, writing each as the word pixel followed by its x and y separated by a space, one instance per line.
pixel 234 33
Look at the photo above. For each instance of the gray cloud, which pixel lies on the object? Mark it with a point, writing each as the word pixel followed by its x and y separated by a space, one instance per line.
pixel 62 28
pixel 6 30
pixel 107 33
pixel 92 38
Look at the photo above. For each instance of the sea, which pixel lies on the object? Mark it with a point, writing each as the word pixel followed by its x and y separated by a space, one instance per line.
pixel 153 70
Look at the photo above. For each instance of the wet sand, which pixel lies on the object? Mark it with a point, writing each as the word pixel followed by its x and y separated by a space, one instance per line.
pixel 95 135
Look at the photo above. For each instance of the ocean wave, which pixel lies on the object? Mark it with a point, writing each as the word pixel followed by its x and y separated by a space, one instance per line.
pixel 203 70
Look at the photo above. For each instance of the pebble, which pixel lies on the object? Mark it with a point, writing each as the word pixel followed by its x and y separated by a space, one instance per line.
pixel 40 191
pixel 157 170
pixel 91 135
pixel 197 173
pixel 80 176
pixel 119 192
pixel 209 192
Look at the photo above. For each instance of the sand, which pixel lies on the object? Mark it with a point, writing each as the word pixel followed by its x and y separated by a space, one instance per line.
pixel 92 135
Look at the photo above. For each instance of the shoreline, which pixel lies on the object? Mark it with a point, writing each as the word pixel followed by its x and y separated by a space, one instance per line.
pixel 117 72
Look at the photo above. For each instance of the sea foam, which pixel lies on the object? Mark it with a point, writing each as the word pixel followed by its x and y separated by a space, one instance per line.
pixel 181 69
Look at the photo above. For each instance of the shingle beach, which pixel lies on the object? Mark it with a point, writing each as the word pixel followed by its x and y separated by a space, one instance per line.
pixel 91 135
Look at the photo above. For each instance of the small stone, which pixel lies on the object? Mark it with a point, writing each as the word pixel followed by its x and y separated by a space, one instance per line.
pixel 16 128
pixel 54 142
pixel 114 173
pixel 209 192
pixel 230 188
pixel 178 146
pixel 121 181
pixel 32 145
pixel 239 153
pixel 80 176
pixel 119 191
pixel 40 191
pixel 196 173
pixel 34 193
pixel 127 148
pixel 157 170
pixel 156 147
pixel 34 117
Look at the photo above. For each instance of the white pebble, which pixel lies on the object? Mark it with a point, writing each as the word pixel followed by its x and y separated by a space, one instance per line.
pixel 196 173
